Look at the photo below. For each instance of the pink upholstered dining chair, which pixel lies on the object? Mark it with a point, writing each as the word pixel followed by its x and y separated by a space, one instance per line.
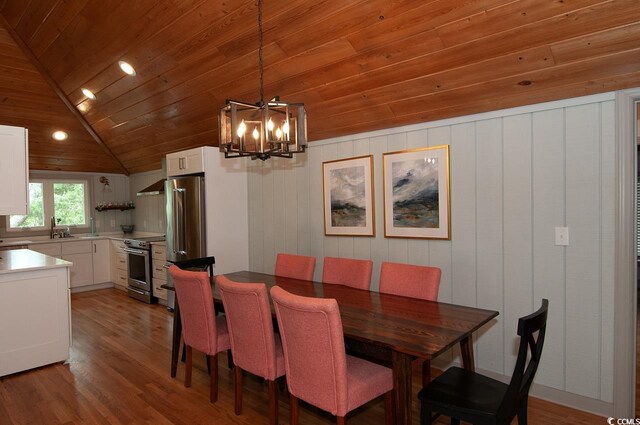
pixel 295 266
pixel 253 344
pixel 318 370
pixel 412 281
pixel 348 272
pixel 421 282
pixel 201 329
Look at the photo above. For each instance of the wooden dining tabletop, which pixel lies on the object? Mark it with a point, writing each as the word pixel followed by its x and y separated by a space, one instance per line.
pixel 388 328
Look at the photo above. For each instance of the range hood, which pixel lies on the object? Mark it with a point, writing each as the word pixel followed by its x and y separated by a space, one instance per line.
pixel 158 187
pixel 155 189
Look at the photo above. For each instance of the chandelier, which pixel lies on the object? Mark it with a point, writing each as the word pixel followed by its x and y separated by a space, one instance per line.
pixel 263 129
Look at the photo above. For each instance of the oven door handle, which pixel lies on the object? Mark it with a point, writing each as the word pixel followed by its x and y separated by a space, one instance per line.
pixel 136 290
pixel 136 251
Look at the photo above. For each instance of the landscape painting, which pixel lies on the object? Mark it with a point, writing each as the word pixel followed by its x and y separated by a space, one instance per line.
pixel 417 193
pixel 348 197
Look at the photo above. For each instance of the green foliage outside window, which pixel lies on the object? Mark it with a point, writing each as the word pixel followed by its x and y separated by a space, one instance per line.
pixel 68 203
pixel 35 218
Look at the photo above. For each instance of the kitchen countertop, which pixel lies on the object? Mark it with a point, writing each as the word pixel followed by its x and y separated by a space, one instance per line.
pixel 19 260
pixel 26 240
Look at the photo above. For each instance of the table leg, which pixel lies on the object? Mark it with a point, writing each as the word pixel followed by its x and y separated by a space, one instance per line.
pixel 402 387
pixel 466 349
pixel 175 342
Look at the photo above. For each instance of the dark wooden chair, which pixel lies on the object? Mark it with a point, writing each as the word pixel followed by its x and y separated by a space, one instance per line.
pixel 201 264
pixel 477 399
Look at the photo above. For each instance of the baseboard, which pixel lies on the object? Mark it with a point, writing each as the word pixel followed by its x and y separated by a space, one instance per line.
pixel 92 287
pixel 564 398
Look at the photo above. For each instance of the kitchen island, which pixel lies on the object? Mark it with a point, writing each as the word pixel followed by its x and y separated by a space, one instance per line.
pixel 35 310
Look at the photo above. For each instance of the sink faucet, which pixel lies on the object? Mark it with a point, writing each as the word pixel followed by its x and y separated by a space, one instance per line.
pixel 53 225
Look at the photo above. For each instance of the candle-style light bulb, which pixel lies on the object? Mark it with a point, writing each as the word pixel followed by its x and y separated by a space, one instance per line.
pixel 242 128
pixel 270 125
pixel 279 133
pixel 255 133
pixel 285 127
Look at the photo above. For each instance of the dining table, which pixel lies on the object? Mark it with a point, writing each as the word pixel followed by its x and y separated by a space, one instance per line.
pixel 388 329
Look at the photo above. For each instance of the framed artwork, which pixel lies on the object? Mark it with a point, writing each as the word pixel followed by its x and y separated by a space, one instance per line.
pixel 416 193
pixel 347 186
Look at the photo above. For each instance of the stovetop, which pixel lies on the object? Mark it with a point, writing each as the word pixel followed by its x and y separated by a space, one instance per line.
pixel 142 242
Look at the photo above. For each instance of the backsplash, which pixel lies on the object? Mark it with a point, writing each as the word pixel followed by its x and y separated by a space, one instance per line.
pixel 149 214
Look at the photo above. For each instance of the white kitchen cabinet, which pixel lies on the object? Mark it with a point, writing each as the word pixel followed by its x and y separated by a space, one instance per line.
pixel 119 264
pixel 35 313
pixel 101 252
pixel 14 170
pixel 159 273
pixel 80 254
pixel 186 162
pixel 52 249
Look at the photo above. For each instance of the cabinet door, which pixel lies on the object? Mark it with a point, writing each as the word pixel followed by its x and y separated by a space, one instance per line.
pixel 14 170
pixel 82 269
pixel 185 162
pixel 101 261
pixel 51 249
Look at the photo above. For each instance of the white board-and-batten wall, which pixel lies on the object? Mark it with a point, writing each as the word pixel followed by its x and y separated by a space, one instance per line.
pixel 516 174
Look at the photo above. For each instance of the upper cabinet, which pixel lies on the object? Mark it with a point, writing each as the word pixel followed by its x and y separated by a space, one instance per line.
pixel 185 162
pixel 14 170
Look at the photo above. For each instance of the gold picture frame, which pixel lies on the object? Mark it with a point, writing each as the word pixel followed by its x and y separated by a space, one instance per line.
pixel 417 201
pixel 347 197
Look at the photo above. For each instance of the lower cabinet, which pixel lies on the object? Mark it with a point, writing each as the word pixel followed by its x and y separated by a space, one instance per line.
pixel 119 265
pixel 91 259
pixel 158 260
pixel 101 257
pixel 80 253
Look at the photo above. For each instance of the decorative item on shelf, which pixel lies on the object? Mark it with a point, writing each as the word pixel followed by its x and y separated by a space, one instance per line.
pixel 263 130
pixel 127 228
pixel 105 182
pixel 122 206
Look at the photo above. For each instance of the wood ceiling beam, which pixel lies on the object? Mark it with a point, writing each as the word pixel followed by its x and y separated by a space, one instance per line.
pixel 54 86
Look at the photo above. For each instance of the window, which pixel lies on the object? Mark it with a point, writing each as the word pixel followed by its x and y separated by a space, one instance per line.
pixel 66 200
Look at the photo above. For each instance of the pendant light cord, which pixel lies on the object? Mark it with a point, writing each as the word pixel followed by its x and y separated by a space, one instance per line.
pixel 260 60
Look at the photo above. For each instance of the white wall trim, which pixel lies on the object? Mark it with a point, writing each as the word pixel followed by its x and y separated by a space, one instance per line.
pixel 501 113
pixel 624 375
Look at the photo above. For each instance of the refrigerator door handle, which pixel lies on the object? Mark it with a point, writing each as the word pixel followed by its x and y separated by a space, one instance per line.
pixel 179 228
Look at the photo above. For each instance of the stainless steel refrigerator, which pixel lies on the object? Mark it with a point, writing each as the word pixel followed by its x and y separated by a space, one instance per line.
pixel 186 230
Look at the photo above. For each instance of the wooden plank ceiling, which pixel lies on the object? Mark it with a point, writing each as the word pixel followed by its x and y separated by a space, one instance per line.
pixel 358 65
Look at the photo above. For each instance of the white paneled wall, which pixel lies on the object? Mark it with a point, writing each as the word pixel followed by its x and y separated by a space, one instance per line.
pixel 149 215
pixel 110 220
pixel 515 176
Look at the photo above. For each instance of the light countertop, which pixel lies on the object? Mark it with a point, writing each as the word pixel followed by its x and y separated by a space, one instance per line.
pixel 26 240
pixel 19 260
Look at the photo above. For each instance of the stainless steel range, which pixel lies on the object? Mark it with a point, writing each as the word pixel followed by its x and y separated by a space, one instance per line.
pixel 139 270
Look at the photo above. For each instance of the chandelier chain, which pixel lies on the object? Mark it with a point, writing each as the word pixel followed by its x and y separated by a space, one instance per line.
pixel 260 60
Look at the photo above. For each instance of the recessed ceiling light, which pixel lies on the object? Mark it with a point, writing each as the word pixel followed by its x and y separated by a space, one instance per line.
pixel 128 69
pixel 88 93
pixel 59 135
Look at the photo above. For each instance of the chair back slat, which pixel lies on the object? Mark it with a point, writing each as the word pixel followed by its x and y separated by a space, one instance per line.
pixel 313 344
pixel 530 348
pixel 246 306
pixel 202 264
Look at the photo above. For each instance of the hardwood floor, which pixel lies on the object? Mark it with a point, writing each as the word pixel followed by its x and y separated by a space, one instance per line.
pixel 118 373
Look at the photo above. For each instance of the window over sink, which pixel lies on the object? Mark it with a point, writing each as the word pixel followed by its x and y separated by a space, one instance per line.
pixel 66 200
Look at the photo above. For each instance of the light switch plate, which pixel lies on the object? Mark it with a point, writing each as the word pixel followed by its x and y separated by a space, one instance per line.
pixel 562 236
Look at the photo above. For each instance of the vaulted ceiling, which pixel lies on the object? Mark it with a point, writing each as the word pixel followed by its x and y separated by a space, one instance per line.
pixel 358 65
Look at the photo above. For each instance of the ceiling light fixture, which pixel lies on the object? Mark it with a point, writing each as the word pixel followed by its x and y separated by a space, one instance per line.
pixel 264 129
pixel 59 135
pixel 126 68
pixel 88 93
